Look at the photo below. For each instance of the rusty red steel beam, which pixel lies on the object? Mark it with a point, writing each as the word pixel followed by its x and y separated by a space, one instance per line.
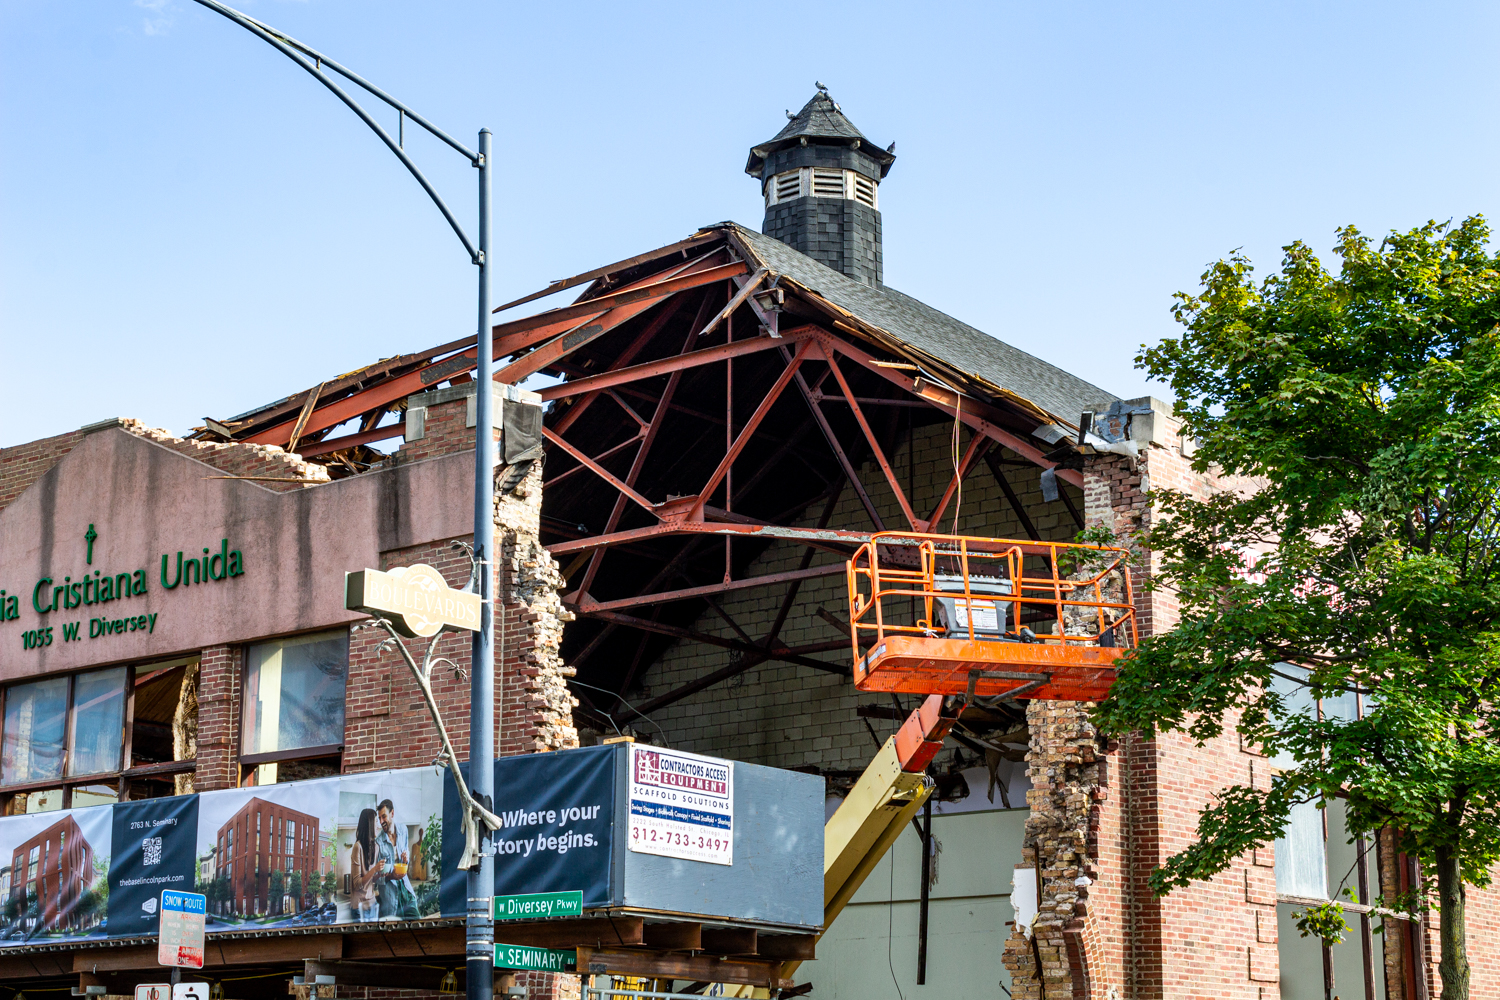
pixel 620 265
pixel 864 425
pixel 608 311
pixel 328 446
pixel 977 414
pixel 597 458
pixel 335 412
pixel 591 330
pixel 708 528
pixel 676 631
pixel 626 356
pixel 509 336
pixel 715 514
pixel 978 445
pixel 599 470
pixel 658 417
pixel 296 401
pixel 748 431
pixel 832 440
pixel 589 605
pixel 665 366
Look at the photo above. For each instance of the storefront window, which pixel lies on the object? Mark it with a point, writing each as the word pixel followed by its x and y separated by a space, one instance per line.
pixel 36 727
pixel 294 694
pixel 64 740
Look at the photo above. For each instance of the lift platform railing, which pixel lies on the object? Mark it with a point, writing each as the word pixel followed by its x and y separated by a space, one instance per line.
pixel 989 589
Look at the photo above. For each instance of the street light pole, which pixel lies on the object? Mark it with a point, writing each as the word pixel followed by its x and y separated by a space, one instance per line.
pixel 479 950
pixel 479 938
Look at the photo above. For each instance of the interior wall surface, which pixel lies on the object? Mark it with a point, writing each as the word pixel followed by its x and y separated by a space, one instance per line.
pixel 871 949
pixel 785 715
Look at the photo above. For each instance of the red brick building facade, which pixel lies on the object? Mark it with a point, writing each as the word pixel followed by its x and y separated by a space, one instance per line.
pixel 50 872
pixel 262 838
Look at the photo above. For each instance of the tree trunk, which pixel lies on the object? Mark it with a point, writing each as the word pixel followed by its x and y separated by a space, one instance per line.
pixel 1453 965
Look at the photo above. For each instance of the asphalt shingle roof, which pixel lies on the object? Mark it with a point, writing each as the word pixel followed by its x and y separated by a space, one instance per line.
pixel 935 333
pixel 822 122
pixel 819 118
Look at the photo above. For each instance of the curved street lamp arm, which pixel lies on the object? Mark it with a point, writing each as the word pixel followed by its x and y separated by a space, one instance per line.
pixel 285 46
pixel 349 75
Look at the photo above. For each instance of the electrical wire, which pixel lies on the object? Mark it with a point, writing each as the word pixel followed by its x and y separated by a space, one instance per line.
pixel 664 741
pixel 890 927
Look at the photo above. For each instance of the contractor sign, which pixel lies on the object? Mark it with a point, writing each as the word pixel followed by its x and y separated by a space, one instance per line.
pixel 416 599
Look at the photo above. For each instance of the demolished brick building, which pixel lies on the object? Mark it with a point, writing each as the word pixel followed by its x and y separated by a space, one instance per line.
pixel 726 419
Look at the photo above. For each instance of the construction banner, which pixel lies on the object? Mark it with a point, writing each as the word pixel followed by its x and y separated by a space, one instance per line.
pixel 559 815
pixel 153 850
pixel 55 885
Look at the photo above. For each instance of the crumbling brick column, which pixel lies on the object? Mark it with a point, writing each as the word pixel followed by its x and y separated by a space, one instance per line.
pixel 1066 769
pixel 537 706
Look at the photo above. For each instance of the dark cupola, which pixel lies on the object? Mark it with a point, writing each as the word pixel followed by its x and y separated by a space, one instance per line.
pixel 821 180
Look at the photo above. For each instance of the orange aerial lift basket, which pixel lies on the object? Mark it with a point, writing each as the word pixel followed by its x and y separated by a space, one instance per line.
pixel 986 617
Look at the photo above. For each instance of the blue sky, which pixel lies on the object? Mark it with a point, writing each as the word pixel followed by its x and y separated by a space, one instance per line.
pixel 191 226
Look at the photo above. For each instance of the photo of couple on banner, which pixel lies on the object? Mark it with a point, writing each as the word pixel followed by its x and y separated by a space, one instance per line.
pixel 382 864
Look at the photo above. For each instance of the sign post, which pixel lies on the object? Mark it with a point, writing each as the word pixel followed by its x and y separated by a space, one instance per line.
pixel 181 934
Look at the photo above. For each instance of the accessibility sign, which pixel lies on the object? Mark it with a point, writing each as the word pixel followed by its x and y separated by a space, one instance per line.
pixel 539 905
pixel 516 956
pixel 181 941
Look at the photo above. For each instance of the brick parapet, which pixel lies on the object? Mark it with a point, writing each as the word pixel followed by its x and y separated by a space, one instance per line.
pixel 273 467
pixel 24 464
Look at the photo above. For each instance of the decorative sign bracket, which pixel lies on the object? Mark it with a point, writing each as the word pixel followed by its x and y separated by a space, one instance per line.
pixel 416 602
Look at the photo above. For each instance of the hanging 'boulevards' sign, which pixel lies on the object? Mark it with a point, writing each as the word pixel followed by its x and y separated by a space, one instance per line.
pixel 416 598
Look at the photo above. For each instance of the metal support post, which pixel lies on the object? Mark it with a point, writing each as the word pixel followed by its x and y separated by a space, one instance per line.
pixel 926 892
pixel 479 947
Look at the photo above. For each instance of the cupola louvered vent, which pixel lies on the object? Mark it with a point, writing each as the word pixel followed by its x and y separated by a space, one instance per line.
pixel 864 190
pixel 788 186
pixel 827 183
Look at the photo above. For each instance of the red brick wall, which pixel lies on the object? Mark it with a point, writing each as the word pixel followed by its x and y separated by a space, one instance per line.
pixel 24 464
pixel 219 677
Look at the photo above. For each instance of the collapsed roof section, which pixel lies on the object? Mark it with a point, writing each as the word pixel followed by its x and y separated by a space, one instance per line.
pixel 714 400
pixel 939 348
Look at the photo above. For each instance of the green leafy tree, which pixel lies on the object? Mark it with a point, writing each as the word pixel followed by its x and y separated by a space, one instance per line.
pixel 277 891
pixel 330 886
pixel 1366 552
pixel 294 889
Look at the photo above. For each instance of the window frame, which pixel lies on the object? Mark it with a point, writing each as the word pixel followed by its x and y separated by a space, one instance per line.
pixel 1368 850
pixel 123 775
pixel 247 764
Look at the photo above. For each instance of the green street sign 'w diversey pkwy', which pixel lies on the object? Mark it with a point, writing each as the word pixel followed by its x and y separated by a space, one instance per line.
pixel 516 956
pixel 539 905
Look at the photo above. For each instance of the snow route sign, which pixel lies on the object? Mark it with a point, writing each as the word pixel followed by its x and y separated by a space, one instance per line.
pixel 681 805
pixel 181 940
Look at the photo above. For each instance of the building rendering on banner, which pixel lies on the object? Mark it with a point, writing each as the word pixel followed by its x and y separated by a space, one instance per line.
pixel 265 837
pixel 723 422
pixel 54 869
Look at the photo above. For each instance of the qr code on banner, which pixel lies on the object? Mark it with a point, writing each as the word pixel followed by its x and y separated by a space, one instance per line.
pixel 151 847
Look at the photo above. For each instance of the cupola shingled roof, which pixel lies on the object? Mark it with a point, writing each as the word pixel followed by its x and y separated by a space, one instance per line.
pixel 820 121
